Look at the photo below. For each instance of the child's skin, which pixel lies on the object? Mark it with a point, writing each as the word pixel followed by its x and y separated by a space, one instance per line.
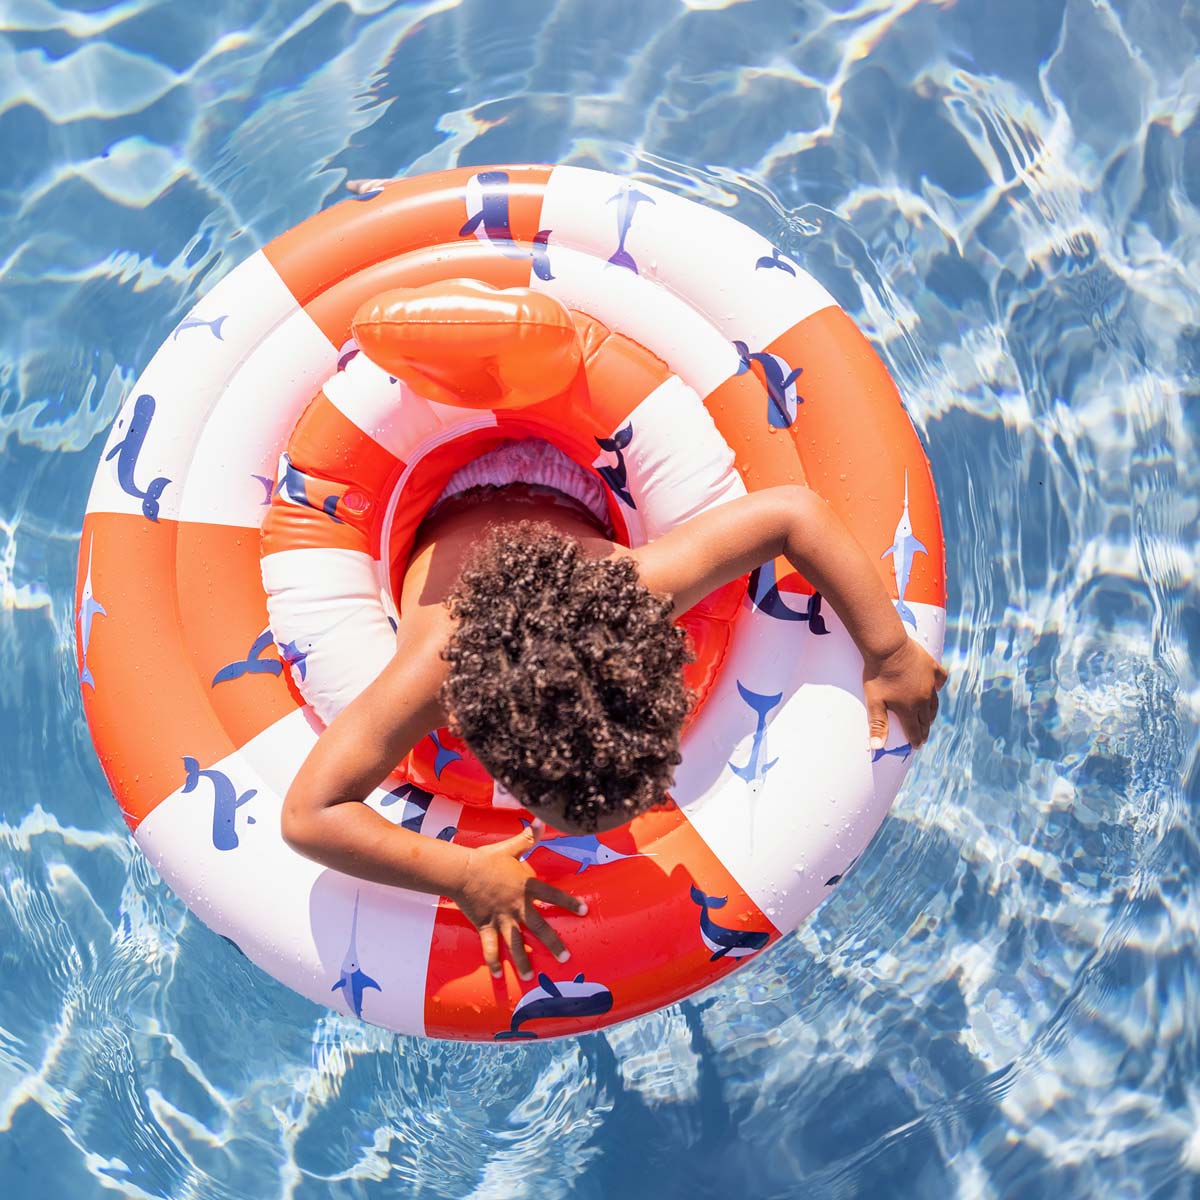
pixel 322 816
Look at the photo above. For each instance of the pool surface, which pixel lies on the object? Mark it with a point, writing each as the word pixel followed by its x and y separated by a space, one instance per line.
pixel 1003 999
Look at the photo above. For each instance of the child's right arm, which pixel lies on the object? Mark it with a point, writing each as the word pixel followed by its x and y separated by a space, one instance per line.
pixel 324 819
pixel 727 541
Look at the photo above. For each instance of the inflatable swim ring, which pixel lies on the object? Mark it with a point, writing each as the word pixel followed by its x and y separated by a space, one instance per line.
pixel 708 364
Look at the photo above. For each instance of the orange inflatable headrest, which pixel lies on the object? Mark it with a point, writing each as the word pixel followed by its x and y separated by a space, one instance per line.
pixel 463 342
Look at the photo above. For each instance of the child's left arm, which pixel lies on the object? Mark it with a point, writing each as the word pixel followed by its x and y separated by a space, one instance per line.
pixel 720 545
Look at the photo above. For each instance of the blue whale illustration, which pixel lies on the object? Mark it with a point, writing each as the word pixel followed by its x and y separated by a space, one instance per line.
pixel 487 212
pixel 268 486
pixel 347 353
pixel 617 475
pixel 725 943
pixel 488 219
pixel 755 769
pixel 541 256
pixel 556 999
pixel 904 548
pixel 585 849
pixel 89 609
pixel 767 598
pixel 292 487
pixel 295 658
pixel 628 198
pixel 352 980
pixel 213 326
pixel 901 752
pixel 226 802
pixel 775 259
pixel 782 397
pixel 836 879
pixel 416 807
pixel 444 757
pixel 253 663
pixel 127 451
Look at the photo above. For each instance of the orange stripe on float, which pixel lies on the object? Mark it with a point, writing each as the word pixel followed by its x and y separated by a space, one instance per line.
pixel 423 211
pixel 856 441
pixel 326 443
pixel 298 527
pixel 620 375
pixel 181 603
pixel 640 939
pixel 763 458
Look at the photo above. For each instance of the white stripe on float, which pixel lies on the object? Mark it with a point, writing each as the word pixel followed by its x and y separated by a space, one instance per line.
pixel 801 823
pixel 183 381
pixel 678 465
pixel 707 257
pixel 251 420
pixel 327 601
pixel 288 914
pixel 644 311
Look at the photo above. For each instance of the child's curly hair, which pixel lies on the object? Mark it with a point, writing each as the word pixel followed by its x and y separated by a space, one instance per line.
pixel 565 674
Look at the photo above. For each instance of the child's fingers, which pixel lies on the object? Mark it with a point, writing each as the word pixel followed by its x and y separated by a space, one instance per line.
pixel 910 722
pixel 877 722
pixel 524 841
pixel 540 928
pixel 538 889
pixel 490 942
pixel 516 946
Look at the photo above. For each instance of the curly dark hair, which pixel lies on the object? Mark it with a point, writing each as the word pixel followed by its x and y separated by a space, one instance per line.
pixel 565 674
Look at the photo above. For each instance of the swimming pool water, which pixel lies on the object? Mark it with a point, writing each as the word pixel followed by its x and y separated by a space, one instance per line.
pixel 1004 999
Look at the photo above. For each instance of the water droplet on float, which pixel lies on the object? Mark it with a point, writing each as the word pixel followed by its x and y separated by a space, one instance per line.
pixel 772 430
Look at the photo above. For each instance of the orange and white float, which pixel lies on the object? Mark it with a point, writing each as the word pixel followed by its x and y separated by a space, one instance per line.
pixel 244 541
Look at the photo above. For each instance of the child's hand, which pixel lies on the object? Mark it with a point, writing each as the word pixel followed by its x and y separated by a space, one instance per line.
pixel 907 682
pixel 497 898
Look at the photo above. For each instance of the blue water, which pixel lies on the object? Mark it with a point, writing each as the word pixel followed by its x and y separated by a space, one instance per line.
pixel 1004 1000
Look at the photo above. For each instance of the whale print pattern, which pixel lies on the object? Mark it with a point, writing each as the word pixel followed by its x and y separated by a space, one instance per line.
pixel 253 663
pixel 416 803
pixel 226 802
pixel 754 770
pixel 214 326
pixel 765 595
pixel 488 219
pixel 352 980
pixel 904 548
pixel 616 475
pixel 775 259
pixel 128 451
pixel 725 943
pixel 556 999
pixel 89 609
pixel 627 200
pixel 780 376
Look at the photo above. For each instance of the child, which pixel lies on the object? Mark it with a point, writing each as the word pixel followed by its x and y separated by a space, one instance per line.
pixel 550 649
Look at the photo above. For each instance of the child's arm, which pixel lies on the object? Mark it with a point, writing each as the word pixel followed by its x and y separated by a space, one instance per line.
pixel 716 547
pixel 323 818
